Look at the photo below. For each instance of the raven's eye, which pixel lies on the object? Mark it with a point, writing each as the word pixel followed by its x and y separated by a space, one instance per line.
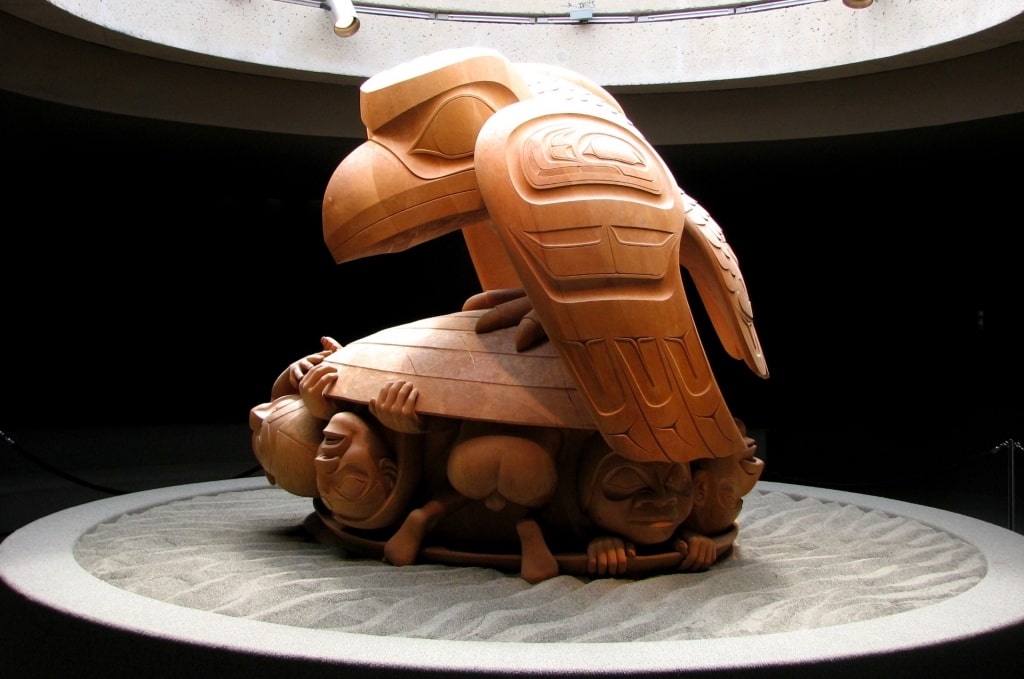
pixel 452 130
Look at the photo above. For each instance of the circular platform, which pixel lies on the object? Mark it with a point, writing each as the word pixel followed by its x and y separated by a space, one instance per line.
pixel 916 589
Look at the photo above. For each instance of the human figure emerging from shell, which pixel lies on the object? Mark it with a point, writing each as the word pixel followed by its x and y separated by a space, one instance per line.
pixel 570 404
pixel 504 488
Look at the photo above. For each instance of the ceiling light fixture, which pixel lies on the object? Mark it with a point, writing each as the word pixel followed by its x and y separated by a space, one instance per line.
pixel 858 4
pixel 346 22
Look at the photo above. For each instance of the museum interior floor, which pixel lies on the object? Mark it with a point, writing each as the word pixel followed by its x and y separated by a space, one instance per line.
pixel 46 471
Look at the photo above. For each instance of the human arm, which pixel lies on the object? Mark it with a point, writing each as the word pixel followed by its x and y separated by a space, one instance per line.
pixel 288 381
pixel 313 388
pixel 609 555
pixel 395 407
pixel 699 552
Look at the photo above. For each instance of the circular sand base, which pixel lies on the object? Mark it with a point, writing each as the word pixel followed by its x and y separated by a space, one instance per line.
pixel 67 613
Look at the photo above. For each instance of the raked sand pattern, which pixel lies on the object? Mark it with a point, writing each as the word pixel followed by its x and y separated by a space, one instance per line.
pixel 800 563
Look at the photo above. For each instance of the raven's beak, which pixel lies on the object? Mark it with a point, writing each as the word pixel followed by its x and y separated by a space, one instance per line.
pixel 374 204
pixel 414 179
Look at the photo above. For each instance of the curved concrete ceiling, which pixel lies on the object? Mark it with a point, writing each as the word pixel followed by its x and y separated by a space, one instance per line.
pixel 689 71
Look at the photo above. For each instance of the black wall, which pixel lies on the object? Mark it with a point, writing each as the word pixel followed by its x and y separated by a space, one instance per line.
pixel 883 273
pixel 159 273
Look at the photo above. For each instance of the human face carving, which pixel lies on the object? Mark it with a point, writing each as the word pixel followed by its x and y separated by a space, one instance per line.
pixel 641 502
pixel 719 487
pixel 355 470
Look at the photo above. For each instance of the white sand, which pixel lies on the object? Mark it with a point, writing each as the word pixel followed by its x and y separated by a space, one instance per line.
pixel 800 563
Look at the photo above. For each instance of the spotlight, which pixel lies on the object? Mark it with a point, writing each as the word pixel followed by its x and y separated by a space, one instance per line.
pixel 346 22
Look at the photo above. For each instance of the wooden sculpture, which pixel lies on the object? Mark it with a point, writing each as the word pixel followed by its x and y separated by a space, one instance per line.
pixel 566 420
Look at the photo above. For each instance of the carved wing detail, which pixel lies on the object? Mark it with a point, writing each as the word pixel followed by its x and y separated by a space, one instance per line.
pixel 591 219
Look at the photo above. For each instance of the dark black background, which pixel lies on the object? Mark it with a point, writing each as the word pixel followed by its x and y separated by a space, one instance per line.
pixel 164 273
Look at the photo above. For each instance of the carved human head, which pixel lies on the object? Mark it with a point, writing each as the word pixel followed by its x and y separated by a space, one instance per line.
pixel 356 471
pixel 719 485
pixel 643 502
pixel 284 439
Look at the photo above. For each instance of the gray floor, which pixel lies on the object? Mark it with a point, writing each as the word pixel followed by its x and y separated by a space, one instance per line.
pixel 46 471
